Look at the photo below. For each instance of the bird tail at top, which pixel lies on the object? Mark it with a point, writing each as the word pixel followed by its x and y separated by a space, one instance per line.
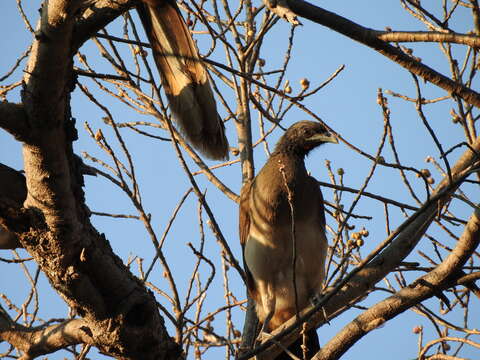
pixel 184 77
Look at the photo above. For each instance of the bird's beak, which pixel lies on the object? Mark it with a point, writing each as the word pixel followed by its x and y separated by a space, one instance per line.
pixel 324 138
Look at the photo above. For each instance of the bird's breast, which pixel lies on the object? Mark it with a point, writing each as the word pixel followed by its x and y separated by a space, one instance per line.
pixel 271 252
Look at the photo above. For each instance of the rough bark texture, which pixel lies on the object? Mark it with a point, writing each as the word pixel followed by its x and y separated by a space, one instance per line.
pixel 119 315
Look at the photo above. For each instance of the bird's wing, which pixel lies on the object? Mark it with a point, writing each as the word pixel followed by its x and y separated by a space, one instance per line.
pixel 244 230
pixel 184 77
pixel 314 185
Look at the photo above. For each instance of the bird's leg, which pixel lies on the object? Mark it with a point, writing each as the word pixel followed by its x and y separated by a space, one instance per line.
pixel 268 302
pixel 264 330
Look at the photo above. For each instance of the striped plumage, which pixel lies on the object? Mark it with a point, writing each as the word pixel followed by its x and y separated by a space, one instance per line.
pixel 266 231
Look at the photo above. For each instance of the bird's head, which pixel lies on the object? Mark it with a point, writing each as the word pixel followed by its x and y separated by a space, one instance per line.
pixel 304 136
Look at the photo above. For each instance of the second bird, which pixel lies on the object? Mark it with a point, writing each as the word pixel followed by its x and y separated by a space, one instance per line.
pixel 282 188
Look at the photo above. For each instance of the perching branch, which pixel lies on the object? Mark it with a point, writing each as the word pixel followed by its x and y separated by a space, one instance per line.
pixel 97 16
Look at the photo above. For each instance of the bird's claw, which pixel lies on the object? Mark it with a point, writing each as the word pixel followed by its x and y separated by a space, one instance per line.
pixel 263 336
pixel 281 9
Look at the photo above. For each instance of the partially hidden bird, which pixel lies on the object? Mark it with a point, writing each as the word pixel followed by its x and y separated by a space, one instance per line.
pixel 283 192
pixel 184 77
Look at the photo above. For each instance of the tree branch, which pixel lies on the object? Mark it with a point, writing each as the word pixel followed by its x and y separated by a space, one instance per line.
pixel 428 36
pixel 12 185
pixel 17 223
pixel 421 289
pixel 13 192
pixel 120 315
pixel 371 39
pixel 382 199
pixel 13 119
pixel 43 340
pixel 96 17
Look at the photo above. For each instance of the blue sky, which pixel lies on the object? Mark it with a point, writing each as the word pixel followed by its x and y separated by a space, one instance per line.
pixel 348 105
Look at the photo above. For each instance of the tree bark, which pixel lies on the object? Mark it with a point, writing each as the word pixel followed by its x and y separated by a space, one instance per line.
pixel 119 315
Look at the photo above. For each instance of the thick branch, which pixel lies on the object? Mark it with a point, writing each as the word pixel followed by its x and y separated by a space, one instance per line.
pixel 8 240
pixel 48 75
pixel 17 223
pixel 42 340
pixel 371 39
pixel 13 193
pixel 12 185
pixel 421 289
pixel 120 316
pixel 13 119
pixel 429 36
pixel 99 14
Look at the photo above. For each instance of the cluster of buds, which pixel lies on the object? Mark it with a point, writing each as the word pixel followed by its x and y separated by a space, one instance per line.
pixel 99 135
pixel 357 238
pixel 427 175
pixel 288 88
pixel 381 100
pixel 137 50
pixel 455 117
pixel 410 52
pixel 417 329
pixel 304 83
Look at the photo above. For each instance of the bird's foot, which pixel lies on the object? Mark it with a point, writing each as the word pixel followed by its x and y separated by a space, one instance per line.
pixel 263 336
pixel 281 9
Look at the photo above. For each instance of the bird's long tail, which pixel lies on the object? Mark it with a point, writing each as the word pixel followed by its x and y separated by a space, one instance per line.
pixel 312 347
pixel 184 77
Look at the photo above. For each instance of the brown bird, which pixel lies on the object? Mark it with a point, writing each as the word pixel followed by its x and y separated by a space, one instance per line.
pixel 266 232
pixel 184 77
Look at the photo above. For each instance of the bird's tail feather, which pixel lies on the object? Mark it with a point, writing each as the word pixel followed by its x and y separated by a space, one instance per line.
pixel 184 77
pixel 312 347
